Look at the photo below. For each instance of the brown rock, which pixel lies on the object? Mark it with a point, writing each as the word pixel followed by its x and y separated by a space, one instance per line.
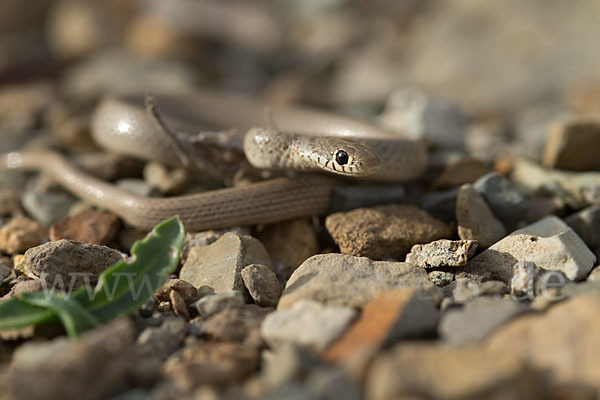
pixel 290 242
pixel 237 324
pixel 423 370
pixel 88 226
pixel 384 231
pixel 475 219
pixel 188 292
pixel 563 341
pixel 20 234
pixel 63 369
pixel 573 146
pixel 211 363
pixel 28 286
pixel 178 304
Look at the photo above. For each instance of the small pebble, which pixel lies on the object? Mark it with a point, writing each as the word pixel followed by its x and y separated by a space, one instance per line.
pixel 20 234
pixel 440 278
pixel 178 304
pixel 47 208
pixel 442 253
pixel 187 291
pixel 524 280
pixel 262 284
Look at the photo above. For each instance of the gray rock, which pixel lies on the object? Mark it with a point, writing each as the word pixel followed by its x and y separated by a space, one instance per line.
pixel 343 280
pixel 332 383
pixel 47 208
pixel 262 284
pixel 219 265
pixel 586 223
pixel 308 324
pixel 524 280
pixel 442 253
pixel 211 304
pixel 418 115
pixel 352 197
pixel 239 324
pixel 441 205
pixel 63 369
pixel 440 278
pixel 549 243
pixel 285 363
pixel 477 319
pixel 507 203
pixel 66 264
pixel 463 290
pixel 475 219
pixel 162 341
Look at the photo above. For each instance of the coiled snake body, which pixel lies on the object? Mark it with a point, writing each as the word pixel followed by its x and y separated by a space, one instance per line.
pixel 327 142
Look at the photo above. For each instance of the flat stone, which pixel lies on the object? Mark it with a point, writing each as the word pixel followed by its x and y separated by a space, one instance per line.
pixel 211 304
pixel 211 363
pixel 475 219
pixel 20 234
pixel 430 371
pixel 308 324
pixel 63 369
pixel 384 231
pixel 203 238
pixel 359 196
pixel 398 314
pixel 342 280
pixel 440 278
pixel 219 265
pixel 239 324
pixel 586 223
pixel 88 226
pixel 66 265
pixel 442 253
pixel 262 284
pixel 562 341
pixel 290 243
pixel 477 319
pixel 550 243
pixel 571 145
pixel 507 203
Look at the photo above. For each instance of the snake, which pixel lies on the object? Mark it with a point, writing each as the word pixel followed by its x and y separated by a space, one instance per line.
pixel 293 137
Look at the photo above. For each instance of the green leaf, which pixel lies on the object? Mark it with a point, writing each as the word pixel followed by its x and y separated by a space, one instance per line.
pixel 121 289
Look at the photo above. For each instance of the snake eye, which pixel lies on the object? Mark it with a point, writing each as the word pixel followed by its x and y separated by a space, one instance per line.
pixel 341 157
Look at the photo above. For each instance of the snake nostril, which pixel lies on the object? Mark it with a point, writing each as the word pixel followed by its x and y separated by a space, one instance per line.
pixel 341 157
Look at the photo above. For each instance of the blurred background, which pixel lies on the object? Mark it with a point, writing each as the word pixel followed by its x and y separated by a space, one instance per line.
pixel 510 66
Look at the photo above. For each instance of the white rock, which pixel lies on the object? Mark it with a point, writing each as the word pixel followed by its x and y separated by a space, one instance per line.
pixel 307 324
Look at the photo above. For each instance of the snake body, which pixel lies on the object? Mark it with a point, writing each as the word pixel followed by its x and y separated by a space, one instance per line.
pixel 124 126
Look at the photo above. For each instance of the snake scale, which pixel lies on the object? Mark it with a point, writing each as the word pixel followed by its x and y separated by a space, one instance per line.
pixel 297 137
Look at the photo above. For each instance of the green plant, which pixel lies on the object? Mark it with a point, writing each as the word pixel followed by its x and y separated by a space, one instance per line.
pixel 121 289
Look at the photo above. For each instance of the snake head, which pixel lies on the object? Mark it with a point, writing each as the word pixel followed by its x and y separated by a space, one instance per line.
pixel 344 156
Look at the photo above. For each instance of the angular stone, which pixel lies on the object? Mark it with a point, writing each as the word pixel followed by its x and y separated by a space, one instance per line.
pixel 475 219
pixel 477 319
pixel 21 234
pixel 442 253
pixel 398 314
pixel 63 369
pixel 212 304
pixel 524 279
pixel 262 284
pixel 573 146
pixel 239 324
pixel 430 371
pixel 342 280
pixel 562 341
pixel 88 226
pixel 68 264
pixel 308 324
pixel 549 243
pixel 185 289
pixel 219 265
pixel 384 231
pixel 507 203
pixel 586 223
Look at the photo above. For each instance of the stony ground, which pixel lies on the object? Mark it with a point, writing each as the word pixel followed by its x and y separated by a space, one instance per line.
pixel 480 280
